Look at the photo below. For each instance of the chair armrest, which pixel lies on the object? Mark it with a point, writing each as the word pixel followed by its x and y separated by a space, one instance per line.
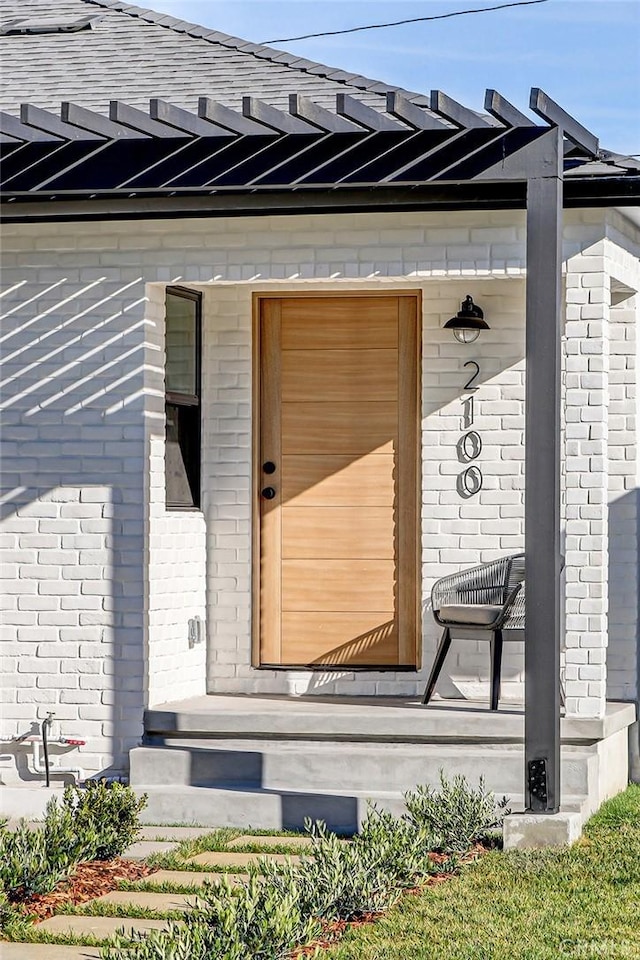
pixel 514 611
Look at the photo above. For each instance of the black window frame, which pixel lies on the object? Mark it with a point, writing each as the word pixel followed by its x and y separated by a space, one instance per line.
pixel 187 404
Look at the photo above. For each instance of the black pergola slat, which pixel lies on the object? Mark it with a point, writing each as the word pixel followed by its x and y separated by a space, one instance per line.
pixel 314 155
pixel 504 143
pixel 172 148
pixel 454 149
pixel 38 161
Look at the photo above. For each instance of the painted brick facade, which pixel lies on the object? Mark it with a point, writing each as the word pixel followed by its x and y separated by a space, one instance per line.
pixel 101 580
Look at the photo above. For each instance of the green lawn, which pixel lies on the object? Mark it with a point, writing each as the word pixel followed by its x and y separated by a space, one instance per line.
pixel 581 903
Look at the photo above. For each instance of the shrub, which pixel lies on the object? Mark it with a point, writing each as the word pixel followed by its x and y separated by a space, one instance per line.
pixel 178 942
pixel 263 920
pixel 28 865
pixel 457 815
pixel 106 816
pixel 348 880
pixel 401 848
pixel 92 824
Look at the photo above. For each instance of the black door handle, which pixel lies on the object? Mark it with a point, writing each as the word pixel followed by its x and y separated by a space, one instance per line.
pixel 268 493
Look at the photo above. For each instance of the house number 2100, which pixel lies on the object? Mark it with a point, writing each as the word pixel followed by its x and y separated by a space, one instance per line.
pixel 469 445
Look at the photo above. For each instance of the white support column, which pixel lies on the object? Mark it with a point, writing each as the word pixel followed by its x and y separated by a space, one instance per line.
pixel 586 463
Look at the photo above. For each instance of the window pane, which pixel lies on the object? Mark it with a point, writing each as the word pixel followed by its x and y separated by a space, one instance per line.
pixel 181 345
pixel 182 456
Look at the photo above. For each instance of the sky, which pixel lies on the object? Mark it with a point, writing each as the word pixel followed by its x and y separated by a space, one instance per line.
pixel 585 54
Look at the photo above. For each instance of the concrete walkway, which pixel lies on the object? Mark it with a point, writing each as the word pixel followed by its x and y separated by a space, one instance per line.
pixel 176 891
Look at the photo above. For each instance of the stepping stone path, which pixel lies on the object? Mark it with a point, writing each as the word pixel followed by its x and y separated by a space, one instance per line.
pixel 211 859
pixel 247 841
pixel 184 879
pixel 178 893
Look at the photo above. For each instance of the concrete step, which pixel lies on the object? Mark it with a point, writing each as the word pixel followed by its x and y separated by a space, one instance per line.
pixel 190 879
pixel 322 767
pixel 177 834
pixel 47 951
pixel 100 927
pixel 391 719
pixel 224 859
pixel 270 810
pixel 269 842
pixel 162 902
pixel 262 809
pixel 142 849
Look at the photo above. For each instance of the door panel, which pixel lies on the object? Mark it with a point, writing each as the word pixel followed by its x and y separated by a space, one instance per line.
pixel 337 572
pixel 341 533
pixel 346 585
pixel 339 375
pixel 354 428
pixel 332 323
pixel 340 638
pixel 324 481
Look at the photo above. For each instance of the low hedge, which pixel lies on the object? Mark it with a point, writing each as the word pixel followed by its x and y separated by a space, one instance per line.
pixel 281 907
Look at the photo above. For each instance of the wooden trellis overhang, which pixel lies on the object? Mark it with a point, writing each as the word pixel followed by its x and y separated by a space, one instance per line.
pixel 217 161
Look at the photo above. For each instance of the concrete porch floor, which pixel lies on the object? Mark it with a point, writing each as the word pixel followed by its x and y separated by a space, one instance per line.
pixel 368 718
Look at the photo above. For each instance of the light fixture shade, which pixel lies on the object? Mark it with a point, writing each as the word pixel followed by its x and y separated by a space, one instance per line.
pixel 468 322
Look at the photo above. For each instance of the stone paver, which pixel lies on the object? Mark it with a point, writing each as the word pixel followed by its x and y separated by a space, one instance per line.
pixel 246 840
pixel 47 951
pixel 175 833
pixel 229 859
pixel 105 927
pixel 101 927
pixel 150 901
pixel 191 878
pixel 144 848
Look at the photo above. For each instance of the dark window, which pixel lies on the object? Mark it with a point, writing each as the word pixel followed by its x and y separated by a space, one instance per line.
pixel 183 333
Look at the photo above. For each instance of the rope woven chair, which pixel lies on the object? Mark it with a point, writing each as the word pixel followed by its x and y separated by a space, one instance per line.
pixel 489 598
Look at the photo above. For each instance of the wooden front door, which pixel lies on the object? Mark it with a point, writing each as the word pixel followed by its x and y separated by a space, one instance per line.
pixel 337 480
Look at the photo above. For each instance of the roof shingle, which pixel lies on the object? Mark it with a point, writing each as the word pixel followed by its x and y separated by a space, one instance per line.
pixel 134 54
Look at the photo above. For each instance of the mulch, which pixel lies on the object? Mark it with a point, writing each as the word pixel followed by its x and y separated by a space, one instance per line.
pixel 88 880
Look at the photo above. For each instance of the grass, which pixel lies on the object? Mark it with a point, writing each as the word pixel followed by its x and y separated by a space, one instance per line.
pixel 581 903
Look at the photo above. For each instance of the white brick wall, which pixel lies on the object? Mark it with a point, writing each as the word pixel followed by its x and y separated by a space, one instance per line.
pixel 101 580
pixel 73 496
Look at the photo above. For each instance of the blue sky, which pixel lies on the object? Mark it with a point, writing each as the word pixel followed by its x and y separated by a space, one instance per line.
pixel 583 53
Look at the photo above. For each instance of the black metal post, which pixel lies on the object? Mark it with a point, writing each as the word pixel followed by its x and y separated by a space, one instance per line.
pixel 542 490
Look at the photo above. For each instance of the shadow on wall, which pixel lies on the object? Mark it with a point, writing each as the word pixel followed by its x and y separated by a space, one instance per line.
pixel 623 653
pixel 73 436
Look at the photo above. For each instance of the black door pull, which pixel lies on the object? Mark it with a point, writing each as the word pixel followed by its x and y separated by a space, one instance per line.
pixel 268 493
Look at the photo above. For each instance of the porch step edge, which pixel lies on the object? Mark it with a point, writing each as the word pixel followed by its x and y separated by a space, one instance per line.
pixel 343 812
pixel 332 767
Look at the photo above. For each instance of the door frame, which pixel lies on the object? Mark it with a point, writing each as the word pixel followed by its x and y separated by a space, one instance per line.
pixel 258 297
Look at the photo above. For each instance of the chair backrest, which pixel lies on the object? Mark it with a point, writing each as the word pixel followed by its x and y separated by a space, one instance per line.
pixel 515 573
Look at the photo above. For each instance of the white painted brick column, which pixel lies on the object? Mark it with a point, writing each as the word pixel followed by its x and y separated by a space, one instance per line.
pixel 586 466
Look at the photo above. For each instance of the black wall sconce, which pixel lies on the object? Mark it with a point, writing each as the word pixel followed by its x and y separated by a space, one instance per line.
pixel 468 322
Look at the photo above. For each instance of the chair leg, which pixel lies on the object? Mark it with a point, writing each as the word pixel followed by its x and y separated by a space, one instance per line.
pixel 496 665
pixel 441 653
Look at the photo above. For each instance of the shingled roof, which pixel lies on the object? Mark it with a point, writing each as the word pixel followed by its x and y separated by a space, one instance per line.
pixel 132 54
pixel 102 101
